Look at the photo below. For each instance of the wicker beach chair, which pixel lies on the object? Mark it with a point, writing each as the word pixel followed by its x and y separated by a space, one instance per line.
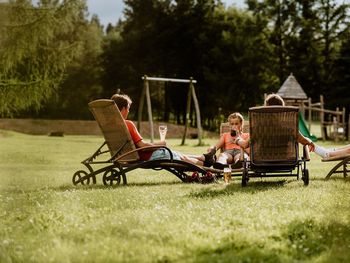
pixel 118 155
pixel 274 150
pixel 341 166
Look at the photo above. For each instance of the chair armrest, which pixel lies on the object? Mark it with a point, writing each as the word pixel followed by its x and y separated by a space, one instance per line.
pixel 306 153
pixel 241 158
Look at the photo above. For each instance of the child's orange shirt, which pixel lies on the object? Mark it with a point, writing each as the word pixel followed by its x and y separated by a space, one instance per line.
pixel 229 141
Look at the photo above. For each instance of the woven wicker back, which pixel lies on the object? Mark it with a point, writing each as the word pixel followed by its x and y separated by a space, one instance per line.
pixel 113 127
pixel 273 134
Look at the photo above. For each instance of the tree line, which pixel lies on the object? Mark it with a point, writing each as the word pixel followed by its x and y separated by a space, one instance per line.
pixel 54 60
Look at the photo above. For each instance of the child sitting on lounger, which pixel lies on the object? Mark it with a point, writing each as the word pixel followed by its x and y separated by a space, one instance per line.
pixel 231 143
pixel 123 103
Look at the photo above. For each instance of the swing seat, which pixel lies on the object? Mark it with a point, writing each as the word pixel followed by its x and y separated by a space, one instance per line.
pixel 123 156
pixel 340 167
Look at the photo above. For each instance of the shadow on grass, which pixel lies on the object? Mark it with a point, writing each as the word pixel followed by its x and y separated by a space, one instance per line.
pixel 252 187
pixel 300 241
pixel 236 252
pixel 68 187
pixel 309 238
pixel 332 179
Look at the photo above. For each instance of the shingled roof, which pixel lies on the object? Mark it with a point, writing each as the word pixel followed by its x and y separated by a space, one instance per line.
pixel 291 89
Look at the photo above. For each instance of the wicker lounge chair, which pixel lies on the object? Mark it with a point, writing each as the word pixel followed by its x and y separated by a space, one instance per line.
pixel 274 150
pixel 340 167
pixel 122 154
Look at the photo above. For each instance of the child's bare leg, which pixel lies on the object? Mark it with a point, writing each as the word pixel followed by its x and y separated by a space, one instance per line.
pixel 340 151
pixel 342 148
pixel 224 158
pixel 237 158
pixel 191 159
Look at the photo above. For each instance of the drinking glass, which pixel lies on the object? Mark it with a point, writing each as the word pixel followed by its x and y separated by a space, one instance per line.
pixel 162 132
pixel 227 174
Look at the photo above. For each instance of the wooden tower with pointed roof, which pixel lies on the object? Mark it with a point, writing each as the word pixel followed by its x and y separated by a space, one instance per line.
pixel 292 92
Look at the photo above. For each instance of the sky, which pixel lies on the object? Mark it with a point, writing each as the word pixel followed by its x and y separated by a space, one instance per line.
pixel 109 11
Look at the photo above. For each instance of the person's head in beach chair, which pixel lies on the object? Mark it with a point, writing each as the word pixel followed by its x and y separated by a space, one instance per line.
pixel 236 121
pixel 123 103
pixel 274 100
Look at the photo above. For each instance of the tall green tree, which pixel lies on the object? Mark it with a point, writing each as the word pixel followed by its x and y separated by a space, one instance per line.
pixel 334 25
pixel 81 83
pixel 161 43
pixel 238 66
pixel 306 37
pixel 187 38
pixel 37 44
pixel 276 15
pixel 337 95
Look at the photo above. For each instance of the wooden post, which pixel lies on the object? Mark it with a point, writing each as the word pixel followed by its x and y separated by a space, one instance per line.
pixel 323 126
pixel 349 128
pixel 301 104
pixel 198 114
pixel 149 110
pixel 310 114
pixel 337 124
pixel 335 128
pixel 187 117
pixel 142 102
pixel 343 124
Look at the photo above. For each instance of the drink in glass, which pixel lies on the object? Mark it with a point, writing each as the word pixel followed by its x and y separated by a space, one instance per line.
pixel 227 174
pixel 162 132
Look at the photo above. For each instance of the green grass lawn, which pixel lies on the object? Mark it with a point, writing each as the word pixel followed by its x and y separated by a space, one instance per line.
pixel 156 217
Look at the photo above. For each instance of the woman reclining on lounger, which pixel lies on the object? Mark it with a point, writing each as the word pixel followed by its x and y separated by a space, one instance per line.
pixel 123 103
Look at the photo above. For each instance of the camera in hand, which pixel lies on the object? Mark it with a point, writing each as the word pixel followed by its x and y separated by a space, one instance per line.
pixel 233 133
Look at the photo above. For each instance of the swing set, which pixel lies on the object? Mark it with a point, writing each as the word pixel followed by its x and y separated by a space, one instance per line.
pixel 190 95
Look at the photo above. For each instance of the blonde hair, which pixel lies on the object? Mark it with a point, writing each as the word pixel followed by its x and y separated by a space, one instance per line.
pixel 236 115
pixel 274 100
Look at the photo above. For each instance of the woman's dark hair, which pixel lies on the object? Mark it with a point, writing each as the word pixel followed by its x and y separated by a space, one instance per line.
pixel 122 100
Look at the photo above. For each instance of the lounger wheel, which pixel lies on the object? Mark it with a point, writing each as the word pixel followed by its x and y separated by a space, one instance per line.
pixel 81 177
pixel 111 177
pixel 245 178
pixel 305 177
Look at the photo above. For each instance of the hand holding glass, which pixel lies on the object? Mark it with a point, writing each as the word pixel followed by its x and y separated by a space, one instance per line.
pixel 162 132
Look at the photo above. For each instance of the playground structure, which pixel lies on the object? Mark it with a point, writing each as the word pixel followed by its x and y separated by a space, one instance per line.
pixel 190 95
pixel 332 122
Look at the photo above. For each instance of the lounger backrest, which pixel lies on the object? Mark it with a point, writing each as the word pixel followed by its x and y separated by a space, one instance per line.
pixel 273 134
pixel 113 127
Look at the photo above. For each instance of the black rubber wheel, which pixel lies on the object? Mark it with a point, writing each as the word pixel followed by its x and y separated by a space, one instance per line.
pixel 111 177
pixel 305 177
pixel 244 178
pixel 77 178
